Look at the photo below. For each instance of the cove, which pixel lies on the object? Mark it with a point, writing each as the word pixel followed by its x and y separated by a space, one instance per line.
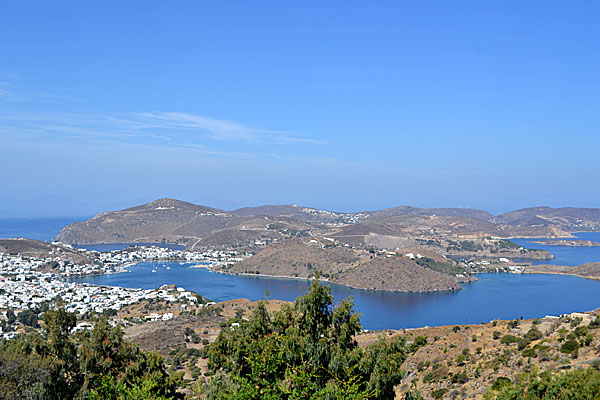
pixel 566 255
pixel 504 296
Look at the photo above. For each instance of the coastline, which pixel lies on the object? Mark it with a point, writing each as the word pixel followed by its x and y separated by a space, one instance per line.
pixel 593 278
pixel 322 279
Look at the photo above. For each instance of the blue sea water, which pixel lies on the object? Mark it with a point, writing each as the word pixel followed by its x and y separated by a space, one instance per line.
pixel 102 247
pixel 46 229
pixel 566 255
pixel 505 296
pixel 35 228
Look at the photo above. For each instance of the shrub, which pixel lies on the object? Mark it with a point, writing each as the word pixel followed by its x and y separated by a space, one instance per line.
pixel 530 353
pixel 534 334
pixel 581 331
pixel 501 382
pixel 569 346
pixel 419 342
pixel 578 384
pixel 509 339
pixel 460 377
pixel 523 343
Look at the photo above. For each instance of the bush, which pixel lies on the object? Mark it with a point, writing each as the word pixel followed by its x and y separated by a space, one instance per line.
pixel 419 342
pixel 523 343
pixel 501 382
pixel 578 384
pixel 28 318
pixel 530 353
pixel 534 334
pixel 460 378
pixel 509 339
pixel 581 331
pixel 569 346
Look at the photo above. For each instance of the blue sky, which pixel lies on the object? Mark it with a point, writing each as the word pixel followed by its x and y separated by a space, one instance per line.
pixel 338 105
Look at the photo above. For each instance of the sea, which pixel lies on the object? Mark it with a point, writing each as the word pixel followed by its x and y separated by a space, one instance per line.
pixel 566 255
pixel 494 295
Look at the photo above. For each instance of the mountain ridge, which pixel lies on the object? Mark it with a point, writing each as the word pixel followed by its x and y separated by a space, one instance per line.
pixel 172 220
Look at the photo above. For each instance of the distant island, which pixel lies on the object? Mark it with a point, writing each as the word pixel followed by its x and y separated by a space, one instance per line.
pixel 404 248
pixel 566 242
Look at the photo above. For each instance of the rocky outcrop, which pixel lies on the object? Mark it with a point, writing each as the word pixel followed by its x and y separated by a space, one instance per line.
pixel 302 258
pixel 398 274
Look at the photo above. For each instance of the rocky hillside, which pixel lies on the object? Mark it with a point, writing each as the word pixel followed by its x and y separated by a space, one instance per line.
pixel 466 361
pixel 565 218
pixel 168 220
pixel 308 215
pixel 350 267
pixel 589 270
pixel 205 227
pixel 38 249
pixel 399 274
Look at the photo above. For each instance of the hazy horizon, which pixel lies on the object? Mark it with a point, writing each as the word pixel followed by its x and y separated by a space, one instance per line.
pixel 338 106
pixel 88 212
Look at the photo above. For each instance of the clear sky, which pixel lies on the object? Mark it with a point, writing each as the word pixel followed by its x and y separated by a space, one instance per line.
pixel 339 105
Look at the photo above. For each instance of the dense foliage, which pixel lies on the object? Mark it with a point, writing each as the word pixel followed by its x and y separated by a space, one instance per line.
pixel 96 364
pixel 576 385
pixel 304 351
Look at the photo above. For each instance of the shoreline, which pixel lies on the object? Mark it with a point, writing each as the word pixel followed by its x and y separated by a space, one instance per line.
pixel 592 278
pixel 322 279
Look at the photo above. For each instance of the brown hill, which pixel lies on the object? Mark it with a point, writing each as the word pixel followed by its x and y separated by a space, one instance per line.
pixel 398 274
pixel 565 218
pixel 199 226
pixel 442 212
pixel 305 214
pixel 589 270
pixel 355 268
pixel 298 258
pixel 179 222
pixel 412 225
pixel 37 249
pixel 270 210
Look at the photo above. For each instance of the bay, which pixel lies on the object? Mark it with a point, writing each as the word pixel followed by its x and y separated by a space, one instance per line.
pixel 104 247
pixel 504 296
pixel 566 255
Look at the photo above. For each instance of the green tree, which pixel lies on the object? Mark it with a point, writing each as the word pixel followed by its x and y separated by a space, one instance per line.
pixel 304 351
pixel 59 364
pixel 28 318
